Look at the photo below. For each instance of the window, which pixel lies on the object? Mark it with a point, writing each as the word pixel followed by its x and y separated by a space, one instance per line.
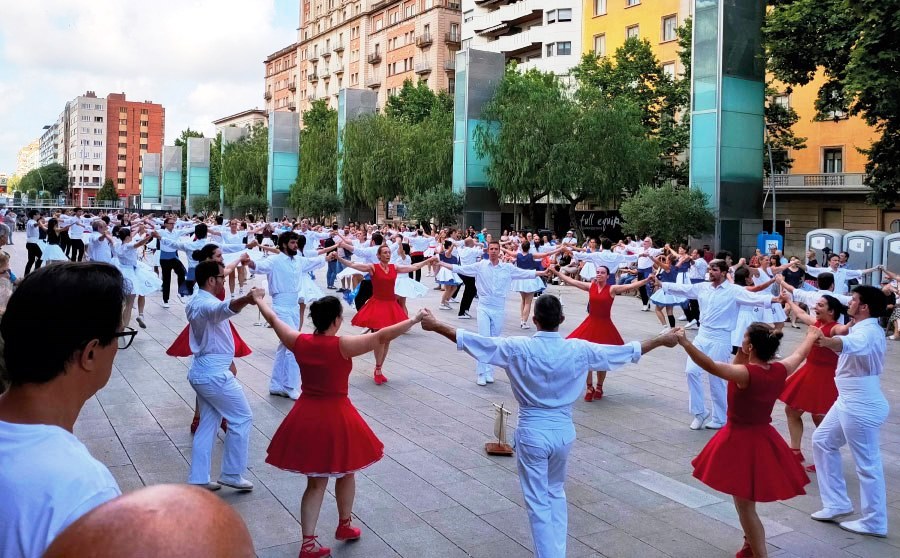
pixel 564 14
pixel 123 110
pixel 551 16
pixel 85 118
pixel 833 160
pixel 123 145
pixel 563 48
pixel 549 49
pixel 669 69
pixel 633 31
pixel 145 111
pixel 630 3
pixel 120 181
pixel 98 143
pixel 121 169
pixel 379 24
pixel 600 45
pixel 123 121
pixel 468 16
pixel 98 130
pixel 98 107
pixel 123 134
pixel 98 119
pixel 669 28
pixel 121 157
pixel 782 101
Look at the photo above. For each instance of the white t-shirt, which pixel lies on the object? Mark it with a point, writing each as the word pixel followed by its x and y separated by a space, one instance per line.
pixel 48 479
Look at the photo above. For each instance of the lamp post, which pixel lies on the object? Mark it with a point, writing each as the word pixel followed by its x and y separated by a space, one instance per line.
pixel 771 174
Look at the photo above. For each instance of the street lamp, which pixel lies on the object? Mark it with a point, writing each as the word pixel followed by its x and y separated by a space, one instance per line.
pixel 771 176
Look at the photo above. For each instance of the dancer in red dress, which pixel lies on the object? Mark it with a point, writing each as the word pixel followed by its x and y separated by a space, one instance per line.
pixel 748 458
pixel 181 347
pixel 598 327
pixel 382 309
pixel 323 435
pixel 812 389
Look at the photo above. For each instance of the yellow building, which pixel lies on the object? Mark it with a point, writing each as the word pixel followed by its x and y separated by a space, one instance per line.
pixel 824 188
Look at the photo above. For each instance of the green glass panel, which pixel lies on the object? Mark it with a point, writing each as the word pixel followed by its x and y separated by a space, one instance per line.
pixel 742 95
pixel 742 130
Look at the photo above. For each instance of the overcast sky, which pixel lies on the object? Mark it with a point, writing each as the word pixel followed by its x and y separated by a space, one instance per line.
pixel 200 59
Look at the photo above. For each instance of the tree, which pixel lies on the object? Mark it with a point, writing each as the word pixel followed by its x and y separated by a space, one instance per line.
pixel 856 47
pixel 108 191
pixel 245 166
pixel 524 125
pixel 215 167
pixel 14 183
pixel 316 204
pixel 53 178
pixel 415 103
pixel 371 161
pixel 427 150
pixel 781 138
pixel 671 213
pixel 316 185
pixel 441 204
pixel 205 205
pixel 181 142
pixel 244 204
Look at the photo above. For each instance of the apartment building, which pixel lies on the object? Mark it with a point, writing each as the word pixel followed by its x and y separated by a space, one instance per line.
pixel 541 34
pixel 86 145
pixel 49 147
pixel 244 119
pixel 28 157
pixel 134 128
pixel 824 188
pixel 375 44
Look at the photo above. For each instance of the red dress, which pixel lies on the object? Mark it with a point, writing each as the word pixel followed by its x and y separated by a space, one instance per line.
pixel 382 309
pixel 598 326
pixel 748 458
pixel 181 347
pixel 323 434
pixel 811 388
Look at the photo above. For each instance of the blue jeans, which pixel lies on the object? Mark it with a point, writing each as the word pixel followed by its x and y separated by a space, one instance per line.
pixel 334 268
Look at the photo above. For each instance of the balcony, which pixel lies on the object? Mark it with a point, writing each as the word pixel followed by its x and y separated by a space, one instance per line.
pixel 374 58
pixel 508 16
pixel 326 55
pixel 836 183
pixel 313 57
pixel 452 38
pixel 312 77
pixel 450 65
pixel 292 85
pixel 292 106
pixel 452 5
pixel 311 97
pixel 267 95
pixel 423 68
pixel 338 48
pixel 424 40
pixel 338 70
pixel 373 82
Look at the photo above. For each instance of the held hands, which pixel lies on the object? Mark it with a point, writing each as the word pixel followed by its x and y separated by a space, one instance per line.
pixel 428 321
pixel 256 295
pixel 679 335
pixel 421 314
pixel 671 337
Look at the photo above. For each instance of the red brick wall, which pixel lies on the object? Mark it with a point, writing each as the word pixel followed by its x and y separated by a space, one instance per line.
pixel 153 143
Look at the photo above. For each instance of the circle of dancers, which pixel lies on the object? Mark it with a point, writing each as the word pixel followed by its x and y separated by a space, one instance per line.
pixel 738 310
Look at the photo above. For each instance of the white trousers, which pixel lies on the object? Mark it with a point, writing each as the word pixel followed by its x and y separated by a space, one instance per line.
pixel 490 323
pixel 720 351
pixel 220 395
pixel 541 458
pixel 285 370
pixel 855 421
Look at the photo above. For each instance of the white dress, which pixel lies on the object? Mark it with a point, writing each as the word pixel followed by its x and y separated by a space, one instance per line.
pixel 406 287
pixel 446 277
pixel 661 298
pixel 309 291
pixel 51 252
pixel 776 313
pixel 139 277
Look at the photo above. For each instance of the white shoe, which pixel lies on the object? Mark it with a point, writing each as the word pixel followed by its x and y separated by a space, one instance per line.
pixel 698 422
pixel 290 394
pixel 893 337
pixel 713 425
pixel 294 394
pixel 166 305
pixel 829 515
pixel 240 484
pixel 525 325
pixel 211 486
pixel 445 307
pixel 140 322
pixel 858 528
pixel 481 381
pixel 465 316
pixel 453 301
pixel 489 379
pixel 691 325
pixel 681 318
pixel 645 308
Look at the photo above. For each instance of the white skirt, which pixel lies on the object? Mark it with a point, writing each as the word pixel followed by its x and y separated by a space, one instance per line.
pixel 428 253
pixel 532 285
pixel 588 271
pixel 778 314
pixel 446 277
pixel 52 252
pixel 140 280
pixel 746 316
pixel 152 258
pixel 309 291
pixel 660 298
pixel 409 288
pixel 348 272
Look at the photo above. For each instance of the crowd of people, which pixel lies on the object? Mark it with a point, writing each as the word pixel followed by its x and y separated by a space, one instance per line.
pixel 739 310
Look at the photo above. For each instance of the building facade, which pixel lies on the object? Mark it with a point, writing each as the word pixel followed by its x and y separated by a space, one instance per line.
pixel 281 79
pixel 49 149
pixel 542 34
pixel 134 128
pixel 244 119
pixel 28 158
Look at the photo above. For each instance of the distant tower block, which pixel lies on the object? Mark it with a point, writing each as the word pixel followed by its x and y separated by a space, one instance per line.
pixel 151 191
pixel 727 118
pixel 230 135
pixel 171 177
pixel 284 160
pixel 478 73
pixel 197 170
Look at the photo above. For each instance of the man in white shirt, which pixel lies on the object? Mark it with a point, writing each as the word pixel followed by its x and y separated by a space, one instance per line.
pixel 48 479
pixel 77 227
pixel 545 373
pixel 841 274
pixel 468 255
pixel 825 282
pixel 492 280
pixel 218 392
pixel 855 419
pixel 570 240
pixel 32 235
pixel 101 246
pixel 645 267
pixel 696 274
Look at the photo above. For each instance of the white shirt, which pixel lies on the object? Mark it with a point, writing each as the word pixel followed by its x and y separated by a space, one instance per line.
pixel 468 256
pixel 32 232
pixel 419 243
pixel 233 238
pixel 718 305
pixel 645 262
pixel 48 479
pixel 811 298
pixel 611 260
pixel 169 239
pixel 312 240
pixel 698 269
pixel 863 350
pixel 283 272
pixel 492 281
pixel 208 318
pixel 571 240
pixel 76 228
pixel 100 249
pixel 189 247
pixel 539 377
pixel 841 276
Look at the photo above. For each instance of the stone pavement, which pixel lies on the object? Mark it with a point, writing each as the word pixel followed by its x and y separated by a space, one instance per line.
pixel 436 493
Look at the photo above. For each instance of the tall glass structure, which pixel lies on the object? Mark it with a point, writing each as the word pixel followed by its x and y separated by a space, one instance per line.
pixel 172 158
pixel 197 170
pixel 284 160
pixel 150 180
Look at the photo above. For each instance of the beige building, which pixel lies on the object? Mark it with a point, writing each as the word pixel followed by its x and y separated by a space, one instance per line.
pixel 28 158
pixel 375 44
pixel 244 119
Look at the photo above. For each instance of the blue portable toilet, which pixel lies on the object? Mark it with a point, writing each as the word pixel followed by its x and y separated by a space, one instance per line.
pixel 765 240
pixel 866 250
pixel 891 253
pixel 825 242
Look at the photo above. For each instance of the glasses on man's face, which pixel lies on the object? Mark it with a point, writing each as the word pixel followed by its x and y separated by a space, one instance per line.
pixel 125 337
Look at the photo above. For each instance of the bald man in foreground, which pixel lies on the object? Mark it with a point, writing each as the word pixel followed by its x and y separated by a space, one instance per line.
pixel 175 521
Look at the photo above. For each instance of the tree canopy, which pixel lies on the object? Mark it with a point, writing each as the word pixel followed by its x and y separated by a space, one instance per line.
pixel 668 212
pixel 108 191
pixel 53 178
pixel 245 166
pixel 314 194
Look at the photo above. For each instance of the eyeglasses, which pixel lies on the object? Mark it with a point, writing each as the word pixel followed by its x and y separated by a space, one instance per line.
pixel 125 337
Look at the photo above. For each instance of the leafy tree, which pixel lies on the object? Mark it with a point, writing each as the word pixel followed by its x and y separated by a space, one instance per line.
pixel 215 167
pixel 245 166
pixel 416 102
pixel 524 127
pixel 181 142
pixel 53 178
pixel 206 205
pixel 671 213
pixel 14 183
pixel 244 204
pixel 108 191
pixel 780 134
pixel 856 46
pixel 318 160
pixel 427 151
pixel 316 204
pixel 372 161
pixel 441 204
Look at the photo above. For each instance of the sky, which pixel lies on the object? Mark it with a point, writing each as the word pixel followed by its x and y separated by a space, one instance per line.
pixel 200 59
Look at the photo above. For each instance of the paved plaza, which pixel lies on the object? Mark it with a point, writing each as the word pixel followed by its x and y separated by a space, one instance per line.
pixel 436 493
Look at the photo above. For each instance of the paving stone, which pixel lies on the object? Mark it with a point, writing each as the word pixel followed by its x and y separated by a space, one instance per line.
pixel 681 493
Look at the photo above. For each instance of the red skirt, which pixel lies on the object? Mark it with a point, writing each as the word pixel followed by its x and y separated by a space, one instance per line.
pixel 597 331
pixel 324 436
pixel 379 314
pixel 811 389
pixel 750 462
pixel 181 347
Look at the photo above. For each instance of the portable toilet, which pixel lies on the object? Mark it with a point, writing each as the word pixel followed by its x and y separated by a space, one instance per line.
pixel 891 253
pixel 765 240
pixel 866 248
pixel 824 242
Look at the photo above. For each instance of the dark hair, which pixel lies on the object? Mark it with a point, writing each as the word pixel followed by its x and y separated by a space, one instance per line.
pixel 124 232
pixel 526 247
pixel 497 242
pixel 220 219
pixel 377 238
pixel 741 275
pixel 324 312
pixel 205 253
pixel 201 230
pixel 105 219
pixel 606 243
pixel 874 298
pixel 548 312
pixel 52 231
pixel 60 291
pixel 32 213
pixel 765 340
pixel 286 237
pixel 835 307
pixel 77 209
pixel 719 264
pixel 606 267
pixel 206 270
pixel 301 242
pixel 723 255
pixel 825 281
